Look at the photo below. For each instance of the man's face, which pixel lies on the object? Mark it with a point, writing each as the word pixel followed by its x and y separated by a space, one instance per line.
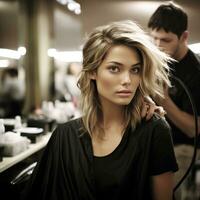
pixel 166 41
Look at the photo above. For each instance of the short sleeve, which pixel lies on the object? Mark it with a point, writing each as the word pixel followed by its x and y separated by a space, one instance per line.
pixel 162 156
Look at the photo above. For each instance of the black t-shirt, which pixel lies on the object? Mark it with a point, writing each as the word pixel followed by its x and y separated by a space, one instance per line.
pixel 117 175
pixel 188 71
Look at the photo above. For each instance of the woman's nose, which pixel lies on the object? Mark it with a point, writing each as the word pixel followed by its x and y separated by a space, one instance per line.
pixel 126 79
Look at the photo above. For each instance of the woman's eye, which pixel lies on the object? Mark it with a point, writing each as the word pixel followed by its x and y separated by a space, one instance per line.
pixel 114 69
pixel 136 70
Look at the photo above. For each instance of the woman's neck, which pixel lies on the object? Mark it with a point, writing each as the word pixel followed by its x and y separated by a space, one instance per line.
pixel 109 131
pixel 112 114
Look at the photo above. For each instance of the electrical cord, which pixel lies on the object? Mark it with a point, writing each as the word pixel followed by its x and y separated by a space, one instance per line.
pixel 196 132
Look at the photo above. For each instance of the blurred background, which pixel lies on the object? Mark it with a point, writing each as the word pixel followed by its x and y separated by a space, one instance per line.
pixel 40 60
pixel 40 38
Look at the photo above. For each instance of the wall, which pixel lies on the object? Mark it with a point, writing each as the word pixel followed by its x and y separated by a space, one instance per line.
pixel 9 24
pixel 96 12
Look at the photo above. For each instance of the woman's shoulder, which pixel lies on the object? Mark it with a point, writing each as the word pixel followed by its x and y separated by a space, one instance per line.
pixel 155 129
pixel 73 123
pixel 156 122
pixel 69 129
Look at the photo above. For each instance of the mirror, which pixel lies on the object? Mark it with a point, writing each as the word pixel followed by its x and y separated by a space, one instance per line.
pixel 63 32
pixel 12 87
pixel 67 62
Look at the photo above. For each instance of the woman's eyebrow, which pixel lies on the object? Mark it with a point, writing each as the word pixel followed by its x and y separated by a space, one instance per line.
pixel 139 63
pixel 114 62
pixel 118 63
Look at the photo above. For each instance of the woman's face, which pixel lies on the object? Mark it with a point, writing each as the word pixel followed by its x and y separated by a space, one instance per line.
pixel 118 76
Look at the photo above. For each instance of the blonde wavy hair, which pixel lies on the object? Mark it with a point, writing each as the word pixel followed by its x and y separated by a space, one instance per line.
pixel 154 73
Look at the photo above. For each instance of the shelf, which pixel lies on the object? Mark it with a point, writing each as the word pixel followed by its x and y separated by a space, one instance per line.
pixel 33 148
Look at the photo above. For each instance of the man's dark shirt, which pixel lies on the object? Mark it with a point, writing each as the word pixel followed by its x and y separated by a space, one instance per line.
pixel 188 71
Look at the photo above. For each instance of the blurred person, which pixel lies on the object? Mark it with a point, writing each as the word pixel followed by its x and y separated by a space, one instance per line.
pixel 168 27
pixel 12 93
pixel 111 152
pixel 72 92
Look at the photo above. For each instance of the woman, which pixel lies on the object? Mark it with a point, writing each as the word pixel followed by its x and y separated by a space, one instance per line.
pixel 111 153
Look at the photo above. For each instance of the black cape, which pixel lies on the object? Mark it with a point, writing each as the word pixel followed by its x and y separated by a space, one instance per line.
pixel 65 171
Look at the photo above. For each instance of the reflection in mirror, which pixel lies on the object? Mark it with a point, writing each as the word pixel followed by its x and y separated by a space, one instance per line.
pixel 12 91
pixel 67 55
pixel 66 77
pixel 12 87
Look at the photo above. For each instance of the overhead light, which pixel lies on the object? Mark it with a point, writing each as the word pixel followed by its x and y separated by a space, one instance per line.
pixel 66 56
pixel 13 54
pixel 8 53
pixel 4 63
pixel 77 11
pixel 195 47
pixel 63 2
pixel 51 52
pixel 22 50
pixel 72 5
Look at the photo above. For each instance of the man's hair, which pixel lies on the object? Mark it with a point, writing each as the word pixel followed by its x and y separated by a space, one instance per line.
pixel 153 74
pixel 169 17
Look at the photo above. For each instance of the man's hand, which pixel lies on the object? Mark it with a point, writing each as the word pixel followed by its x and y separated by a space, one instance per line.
pixel 163 101
pixel 149 108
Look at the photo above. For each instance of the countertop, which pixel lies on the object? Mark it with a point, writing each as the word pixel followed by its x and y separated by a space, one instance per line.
pixel 33 148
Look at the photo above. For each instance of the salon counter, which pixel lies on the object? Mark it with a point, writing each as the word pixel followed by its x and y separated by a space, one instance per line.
pixel 8 162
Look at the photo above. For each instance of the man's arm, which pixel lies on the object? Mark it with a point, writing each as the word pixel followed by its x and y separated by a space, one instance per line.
pixel 181 119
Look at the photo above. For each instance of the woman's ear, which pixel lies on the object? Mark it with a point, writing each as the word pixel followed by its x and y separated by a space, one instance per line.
pixel 93 75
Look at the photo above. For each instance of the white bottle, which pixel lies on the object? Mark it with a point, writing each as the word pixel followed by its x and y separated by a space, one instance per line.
pixel 2 127
pixel 18 122
pixel 2 130
pixel 45 108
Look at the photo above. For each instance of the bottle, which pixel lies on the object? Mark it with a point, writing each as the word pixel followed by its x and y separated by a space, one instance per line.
pixel 18 122
pixel 2 131
pixel 2 127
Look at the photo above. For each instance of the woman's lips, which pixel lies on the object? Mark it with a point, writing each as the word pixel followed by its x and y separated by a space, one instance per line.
pixel 124 93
